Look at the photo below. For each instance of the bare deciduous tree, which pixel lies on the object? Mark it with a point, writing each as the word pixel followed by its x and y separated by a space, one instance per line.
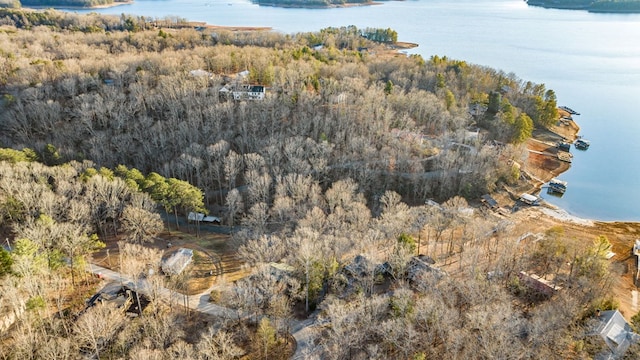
pixel 140 225
pixel 218 345
pixel 96 328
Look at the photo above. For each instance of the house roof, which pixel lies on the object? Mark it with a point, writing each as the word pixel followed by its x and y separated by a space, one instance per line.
pixel 420 265
pixel 121 296
pixel 200 73
pixel 489 200
pixel 616 332
pixel 177 261
pixel 529 197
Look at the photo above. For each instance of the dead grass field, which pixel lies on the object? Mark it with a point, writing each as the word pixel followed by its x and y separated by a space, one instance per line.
pixel 214 257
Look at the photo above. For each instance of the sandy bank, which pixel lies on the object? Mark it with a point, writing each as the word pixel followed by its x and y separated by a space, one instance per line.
pixel 564 216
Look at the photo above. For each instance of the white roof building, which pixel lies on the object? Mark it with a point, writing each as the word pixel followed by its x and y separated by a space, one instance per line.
pixel 177 262
pixel 616 333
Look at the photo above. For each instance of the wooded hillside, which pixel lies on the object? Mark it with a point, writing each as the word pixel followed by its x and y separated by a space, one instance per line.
pixel 392 122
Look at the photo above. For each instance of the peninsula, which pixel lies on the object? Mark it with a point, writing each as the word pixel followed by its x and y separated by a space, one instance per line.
pixel 601 6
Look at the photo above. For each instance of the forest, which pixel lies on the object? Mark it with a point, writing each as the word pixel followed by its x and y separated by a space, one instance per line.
pixel 355 173
pixel 56 3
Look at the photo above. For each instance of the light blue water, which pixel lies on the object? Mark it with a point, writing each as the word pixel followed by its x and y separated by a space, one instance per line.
pixel 592 61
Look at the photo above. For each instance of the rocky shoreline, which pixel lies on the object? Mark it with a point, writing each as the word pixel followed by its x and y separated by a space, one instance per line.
pixel 542 163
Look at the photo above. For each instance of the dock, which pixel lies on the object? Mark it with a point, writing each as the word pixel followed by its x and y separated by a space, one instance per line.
pixel 558 186
pixel 569 110
pixel 565 156
pixel 582 144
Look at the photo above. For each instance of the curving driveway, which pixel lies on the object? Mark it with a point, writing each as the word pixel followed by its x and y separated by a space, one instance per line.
pixel 304 331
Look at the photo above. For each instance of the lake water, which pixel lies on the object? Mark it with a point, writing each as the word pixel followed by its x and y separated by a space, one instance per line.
pixel 591 61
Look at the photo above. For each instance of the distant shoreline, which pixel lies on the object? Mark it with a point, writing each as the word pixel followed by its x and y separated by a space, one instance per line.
pixel 104 6
pixel 631 7
pixel 330 6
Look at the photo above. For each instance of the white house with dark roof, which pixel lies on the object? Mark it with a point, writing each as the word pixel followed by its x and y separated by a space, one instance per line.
pixel 249 92
pixel 244 92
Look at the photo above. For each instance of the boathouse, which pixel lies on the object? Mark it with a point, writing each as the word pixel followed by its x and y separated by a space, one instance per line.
pixel 558 186
pixel 529 199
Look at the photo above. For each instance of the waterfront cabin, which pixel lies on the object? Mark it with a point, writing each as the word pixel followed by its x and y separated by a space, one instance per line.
pixel 581 144
pixel 558 186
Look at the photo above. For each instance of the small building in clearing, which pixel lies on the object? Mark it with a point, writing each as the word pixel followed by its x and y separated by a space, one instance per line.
pixel 200 217
pixel 177 262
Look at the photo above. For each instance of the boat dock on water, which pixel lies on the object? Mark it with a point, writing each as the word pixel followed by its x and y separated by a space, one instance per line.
pixel 569 110
pixel 581 144
pixel 558 186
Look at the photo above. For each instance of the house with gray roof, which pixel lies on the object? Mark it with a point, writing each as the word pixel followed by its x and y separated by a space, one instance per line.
pixel 616 333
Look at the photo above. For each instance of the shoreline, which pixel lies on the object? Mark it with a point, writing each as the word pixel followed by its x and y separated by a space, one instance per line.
pixel 542 163
pixel 540 169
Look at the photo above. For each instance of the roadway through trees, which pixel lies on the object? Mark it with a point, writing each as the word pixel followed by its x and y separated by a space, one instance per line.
pixel 303 331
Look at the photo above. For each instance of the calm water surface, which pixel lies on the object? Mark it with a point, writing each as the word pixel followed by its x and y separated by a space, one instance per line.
pixel 592 61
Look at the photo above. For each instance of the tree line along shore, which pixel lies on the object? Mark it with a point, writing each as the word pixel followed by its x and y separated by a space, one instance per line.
pixel 107 3
pixel 600 6
pixel 603 6
pixel 347 174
